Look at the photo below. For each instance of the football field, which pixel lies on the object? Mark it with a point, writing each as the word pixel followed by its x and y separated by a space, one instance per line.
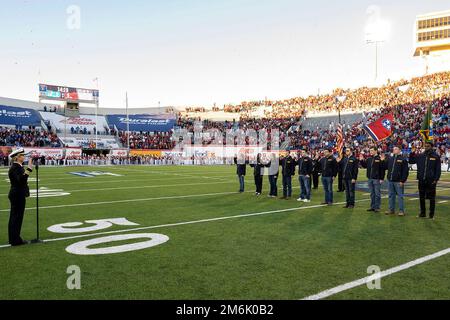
pixel 183 232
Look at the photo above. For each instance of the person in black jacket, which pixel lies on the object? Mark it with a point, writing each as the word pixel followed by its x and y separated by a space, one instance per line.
pixel 329 169
pixel 258 173
pixel 349 168
pixel 241 170
pixel 287 170
pixel 398 171
pixel 375 173
pixel 316 172
pixel 18 176
pixel 274 167
pixel 305 167
pixel 428 175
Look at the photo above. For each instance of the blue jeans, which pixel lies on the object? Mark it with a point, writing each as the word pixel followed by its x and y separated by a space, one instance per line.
pixel 349 192
pixel 287 186
pixel 375 194
pixel 305 187
pixel 395 190
pixel 241 183
pixel 273 186
pixel 328 188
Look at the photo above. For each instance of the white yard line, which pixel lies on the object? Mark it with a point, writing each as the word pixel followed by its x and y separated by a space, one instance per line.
pixel 194 221
pixel 127 200
pixel 139 187
pixel 365 280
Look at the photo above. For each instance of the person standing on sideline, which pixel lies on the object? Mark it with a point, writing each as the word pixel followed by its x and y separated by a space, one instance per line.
pixel 305 167
pixel 18 176
pixel 349 168
pixel 287 170
pixel 329 168
pixel 428 175
pixel 241 170
pixel 258 173
pixel 398 171
pixel 274 167
pixel 375 173
pixel 316 171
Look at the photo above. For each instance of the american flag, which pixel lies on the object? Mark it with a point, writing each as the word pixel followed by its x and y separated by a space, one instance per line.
pixel 340 139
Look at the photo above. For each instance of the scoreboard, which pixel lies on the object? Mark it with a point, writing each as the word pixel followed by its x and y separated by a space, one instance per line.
pixel 61 93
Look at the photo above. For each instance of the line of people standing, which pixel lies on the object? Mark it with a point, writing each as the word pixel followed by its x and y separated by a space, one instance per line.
pixel 379 167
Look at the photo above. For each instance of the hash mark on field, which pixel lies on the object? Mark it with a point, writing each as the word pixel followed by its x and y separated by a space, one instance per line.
pixel 413 199
pixel 444 201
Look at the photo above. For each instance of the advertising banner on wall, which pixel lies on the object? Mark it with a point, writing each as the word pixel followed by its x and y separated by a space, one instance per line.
pixel 74 152
pixel 119 152
pixel 75 124
pixel 156 153
pixel 142 122
pixel 46 152
pixel 13 116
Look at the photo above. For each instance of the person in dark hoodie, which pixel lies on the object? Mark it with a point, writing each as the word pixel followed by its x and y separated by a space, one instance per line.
pixel 329 169
pixel 349 168
pixel 258 173
pixel 316 172
pixel 375 173
pixel 305 167
pixel 428 175
pixel 287 170
pixel 398 171
pixel 241 170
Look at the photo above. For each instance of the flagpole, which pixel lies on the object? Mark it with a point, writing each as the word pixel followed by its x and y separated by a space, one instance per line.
pixel 128 124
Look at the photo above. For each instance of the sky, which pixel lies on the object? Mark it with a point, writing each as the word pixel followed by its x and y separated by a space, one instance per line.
pixel 201 52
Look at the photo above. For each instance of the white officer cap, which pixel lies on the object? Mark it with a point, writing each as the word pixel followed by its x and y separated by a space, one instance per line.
pixel 17 152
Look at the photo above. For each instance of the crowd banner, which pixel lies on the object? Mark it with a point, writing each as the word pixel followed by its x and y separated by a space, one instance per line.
pixel 142 122
pixel 13 116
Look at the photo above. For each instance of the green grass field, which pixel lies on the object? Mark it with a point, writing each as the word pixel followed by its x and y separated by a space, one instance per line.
pixel 288 251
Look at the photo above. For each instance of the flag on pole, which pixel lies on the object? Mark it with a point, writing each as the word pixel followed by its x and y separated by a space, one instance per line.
pixel 340 139
pixel 427 126
pixel 380 129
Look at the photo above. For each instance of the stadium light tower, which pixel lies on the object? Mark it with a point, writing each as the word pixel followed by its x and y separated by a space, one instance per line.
pixel 377 31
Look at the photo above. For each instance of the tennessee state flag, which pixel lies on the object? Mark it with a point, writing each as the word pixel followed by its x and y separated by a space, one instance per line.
pixel 380 129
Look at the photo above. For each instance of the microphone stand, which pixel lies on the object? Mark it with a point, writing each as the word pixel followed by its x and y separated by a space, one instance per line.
pixel 37 240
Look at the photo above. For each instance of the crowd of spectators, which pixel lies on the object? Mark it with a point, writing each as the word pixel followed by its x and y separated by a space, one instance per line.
pixel 28 138
pixel 416 90
pixel 146 140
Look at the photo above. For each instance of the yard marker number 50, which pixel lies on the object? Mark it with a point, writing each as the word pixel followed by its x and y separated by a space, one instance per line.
pixel 82 247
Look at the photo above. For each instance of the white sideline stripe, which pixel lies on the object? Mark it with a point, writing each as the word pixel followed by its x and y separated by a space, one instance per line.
pixel 413 199
pixel 362 281
pixel 194 221
pixel 445 201
pixel 138 187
